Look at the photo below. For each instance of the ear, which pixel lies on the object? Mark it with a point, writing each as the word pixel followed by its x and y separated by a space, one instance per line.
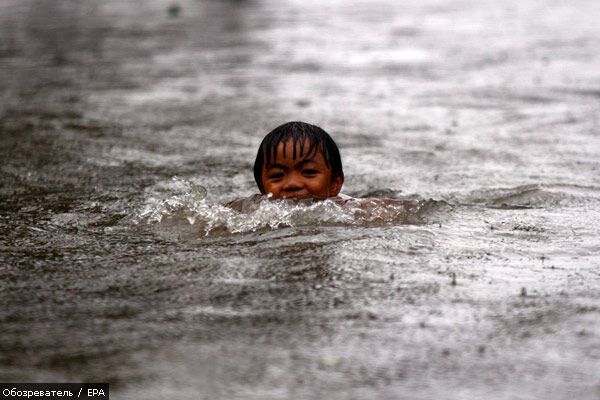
pixel 336 185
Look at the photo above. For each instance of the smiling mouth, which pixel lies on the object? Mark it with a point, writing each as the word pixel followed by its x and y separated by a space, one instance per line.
pixel 296 196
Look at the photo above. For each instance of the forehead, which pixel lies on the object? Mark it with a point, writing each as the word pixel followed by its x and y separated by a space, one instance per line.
pixel 300 150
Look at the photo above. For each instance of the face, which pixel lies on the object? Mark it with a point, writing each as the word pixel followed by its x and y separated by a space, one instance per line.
pixel 305 176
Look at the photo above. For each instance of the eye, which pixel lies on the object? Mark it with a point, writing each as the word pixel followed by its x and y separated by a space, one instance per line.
pixel 275 175
pixel 310 171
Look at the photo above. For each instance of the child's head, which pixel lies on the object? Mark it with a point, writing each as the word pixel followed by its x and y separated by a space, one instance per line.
pixel 297 160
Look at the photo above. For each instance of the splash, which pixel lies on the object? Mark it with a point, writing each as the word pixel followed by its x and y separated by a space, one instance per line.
pixel 180 202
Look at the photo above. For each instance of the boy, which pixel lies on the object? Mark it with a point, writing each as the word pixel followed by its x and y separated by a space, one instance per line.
pixel 298 160
pixel 301 161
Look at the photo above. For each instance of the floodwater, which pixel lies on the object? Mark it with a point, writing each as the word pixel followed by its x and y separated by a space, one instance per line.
pixel 122 122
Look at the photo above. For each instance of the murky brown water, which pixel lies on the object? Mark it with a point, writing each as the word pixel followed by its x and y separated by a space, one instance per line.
pixel 490 109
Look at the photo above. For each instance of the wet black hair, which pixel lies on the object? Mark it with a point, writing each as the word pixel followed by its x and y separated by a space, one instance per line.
pixel 298 132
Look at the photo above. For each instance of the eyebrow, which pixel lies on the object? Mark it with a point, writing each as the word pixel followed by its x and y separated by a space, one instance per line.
pixel 300 164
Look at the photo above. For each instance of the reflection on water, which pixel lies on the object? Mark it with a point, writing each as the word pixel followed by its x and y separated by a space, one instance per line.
pixel 480 119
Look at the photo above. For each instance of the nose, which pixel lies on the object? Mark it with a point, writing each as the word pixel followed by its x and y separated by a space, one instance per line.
pixel 292 184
